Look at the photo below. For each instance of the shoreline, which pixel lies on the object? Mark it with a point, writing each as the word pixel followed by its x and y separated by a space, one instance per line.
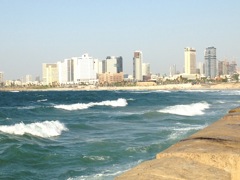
pixel 169 87
pixel 211 153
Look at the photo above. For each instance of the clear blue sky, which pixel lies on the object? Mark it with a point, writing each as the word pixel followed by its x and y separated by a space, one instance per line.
pixel 45 31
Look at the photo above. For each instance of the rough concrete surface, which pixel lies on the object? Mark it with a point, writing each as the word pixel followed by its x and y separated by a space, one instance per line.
pixel 211 153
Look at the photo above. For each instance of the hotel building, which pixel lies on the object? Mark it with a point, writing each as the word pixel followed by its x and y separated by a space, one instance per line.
pixel 190 60
pixel 137 66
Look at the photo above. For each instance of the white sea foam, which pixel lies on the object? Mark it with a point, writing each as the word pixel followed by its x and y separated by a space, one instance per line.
pixel 187 110
pixel 163 91
pixel 44 129
pixel 115 103
pixel 27 107
pixel 230 92
pixel 220 102
pixel 41 100
pixel 179 132
pixel 97 158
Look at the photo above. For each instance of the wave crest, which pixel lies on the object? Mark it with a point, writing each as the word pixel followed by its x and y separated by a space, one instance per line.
pixel 187 110
pixel 44 129
pixel 115 103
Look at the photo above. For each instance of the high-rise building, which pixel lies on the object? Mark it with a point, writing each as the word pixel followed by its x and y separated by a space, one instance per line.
pixel 223 67
pixel 232 68
pixel 66 70
pixel 190 60
pixel 50 73
pixel 210 62
pixel 146 69
pixel 113 64
pixel 97 66
pixel 137 66
pixel 85 72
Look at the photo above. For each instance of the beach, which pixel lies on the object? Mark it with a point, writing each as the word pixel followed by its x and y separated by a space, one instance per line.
pixel 188 86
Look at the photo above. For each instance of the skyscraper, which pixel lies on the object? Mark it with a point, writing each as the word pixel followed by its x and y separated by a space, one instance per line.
pixel 210 62
pixel 113 64
pixel 190 60
pixel 137 66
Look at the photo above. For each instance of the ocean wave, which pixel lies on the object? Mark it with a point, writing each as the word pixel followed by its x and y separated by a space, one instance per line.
pixel 41 100
pixel 44 129
pixel 230 92
pixel 97 158
pixel 26 107
pixel 187 110
pixel 162 91
pixel 179 132
pixel 114 103
pixel 111 173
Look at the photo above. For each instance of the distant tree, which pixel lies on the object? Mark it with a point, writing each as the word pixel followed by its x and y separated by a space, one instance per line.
pixel 235 77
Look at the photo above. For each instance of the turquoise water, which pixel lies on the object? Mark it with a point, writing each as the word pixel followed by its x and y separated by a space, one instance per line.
pixel 98 134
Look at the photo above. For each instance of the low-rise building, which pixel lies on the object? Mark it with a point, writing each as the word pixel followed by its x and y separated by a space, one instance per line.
pixel 110 78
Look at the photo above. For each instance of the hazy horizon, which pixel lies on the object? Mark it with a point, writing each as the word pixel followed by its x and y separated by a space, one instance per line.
pixel 36 32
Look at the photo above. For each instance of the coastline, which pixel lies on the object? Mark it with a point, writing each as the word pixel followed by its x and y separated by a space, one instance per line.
pixel 211 153
pixel 170 87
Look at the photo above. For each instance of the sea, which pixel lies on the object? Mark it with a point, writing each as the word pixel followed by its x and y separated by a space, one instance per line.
pixel 98 135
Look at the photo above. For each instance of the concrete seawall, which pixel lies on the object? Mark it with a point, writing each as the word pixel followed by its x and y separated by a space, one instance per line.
pixel 211 153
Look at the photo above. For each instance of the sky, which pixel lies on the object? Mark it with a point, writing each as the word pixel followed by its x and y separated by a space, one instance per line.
pixel 33 32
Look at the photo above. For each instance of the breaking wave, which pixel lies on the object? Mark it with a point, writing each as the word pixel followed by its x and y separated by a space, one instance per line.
pixel 187 110
pixel 44 129
pixel 115 103
pixel 181 131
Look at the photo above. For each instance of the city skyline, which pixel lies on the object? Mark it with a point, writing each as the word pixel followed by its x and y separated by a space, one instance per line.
pixel 38 32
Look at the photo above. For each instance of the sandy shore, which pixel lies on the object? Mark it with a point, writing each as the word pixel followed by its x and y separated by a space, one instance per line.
pixel 221 86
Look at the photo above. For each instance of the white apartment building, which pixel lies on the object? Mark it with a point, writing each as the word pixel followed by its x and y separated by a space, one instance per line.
pixel 67 70
pixel 78 70
pixel 137 66
pixel 85 72
pixel 190 60
pixel 146 69
pixel 98 67
pixel 50 73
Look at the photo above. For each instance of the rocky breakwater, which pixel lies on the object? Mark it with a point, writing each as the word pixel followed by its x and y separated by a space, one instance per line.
pixel 211 153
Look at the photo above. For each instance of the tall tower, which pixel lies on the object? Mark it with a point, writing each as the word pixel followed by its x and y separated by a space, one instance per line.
pixel 190 60
pixel 210 62
pixel 137 66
